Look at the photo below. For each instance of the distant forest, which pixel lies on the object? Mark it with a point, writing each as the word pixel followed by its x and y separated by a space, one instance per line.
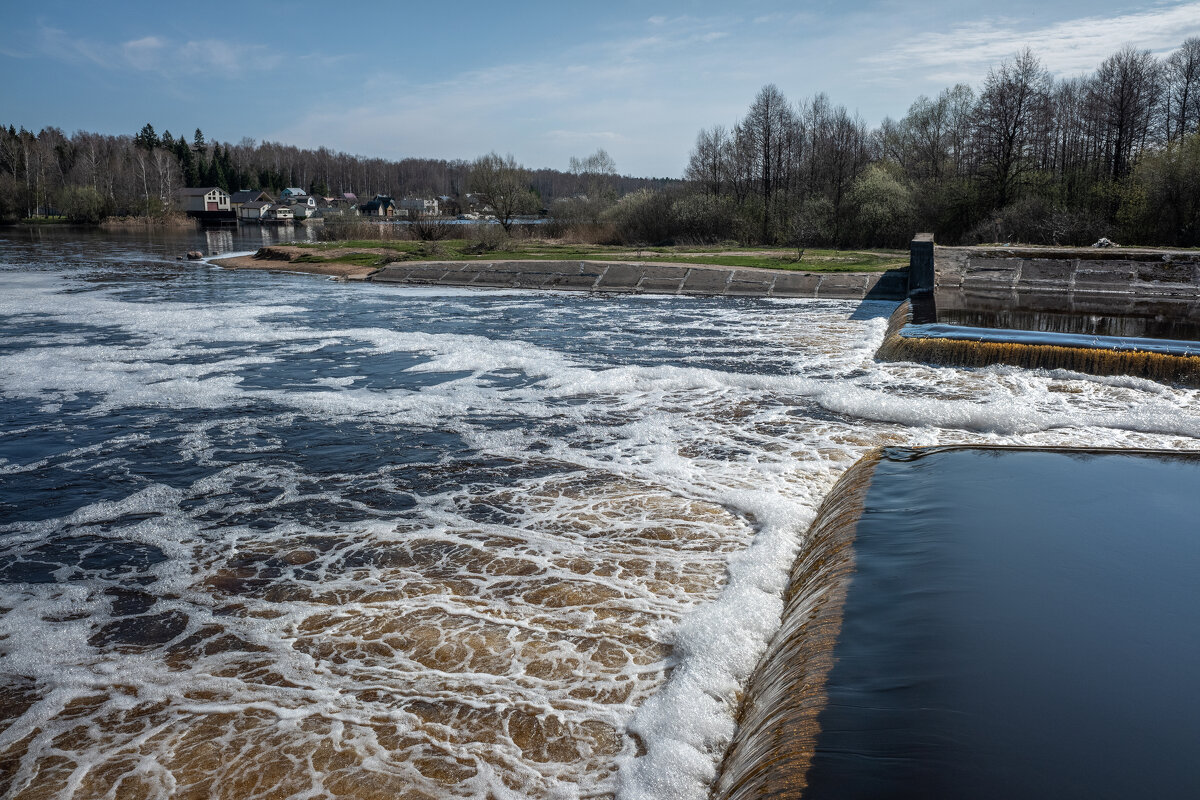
pixel 1024 157
pixel 89 176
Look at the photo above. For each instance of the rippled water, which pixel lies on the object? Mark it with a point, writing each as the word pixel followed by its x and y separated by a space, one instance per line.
pixel 274 536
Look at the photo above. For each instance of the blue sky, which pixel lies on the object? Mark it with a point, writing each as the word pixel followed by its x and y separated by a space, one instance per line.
pixel 541 80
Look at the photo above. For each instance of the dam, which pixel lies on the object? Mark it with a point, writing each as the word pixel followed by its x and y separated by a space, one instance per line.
pixel 997 622
pixel 986 623
pixel 1095 310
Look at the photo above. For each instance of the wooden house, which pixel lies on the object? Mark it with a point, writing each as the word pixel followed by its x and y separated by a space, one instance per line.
pixel 381 206
pixel 249 196
pixel 209 202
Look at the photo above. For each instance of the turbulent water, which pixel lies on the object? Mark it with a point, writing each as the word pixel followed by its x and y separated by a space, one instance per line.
pixel 274 536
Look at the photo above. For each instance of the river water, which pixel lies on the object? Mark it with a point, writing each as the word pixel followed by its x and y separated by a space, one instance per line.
pixel 269 535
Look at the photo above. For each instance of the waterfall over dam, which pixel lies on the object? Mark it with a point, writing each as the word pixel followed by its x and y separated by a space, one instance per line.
pixel 985 623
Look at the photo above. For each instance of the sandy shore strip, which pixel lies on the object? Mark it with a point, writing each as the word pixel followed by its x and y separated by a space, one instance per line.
pixel 350 272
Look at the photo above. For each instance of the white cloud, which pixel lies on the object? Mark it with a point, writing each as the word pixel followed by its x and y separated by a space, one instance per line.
pixel 159 55
pixel 1071 47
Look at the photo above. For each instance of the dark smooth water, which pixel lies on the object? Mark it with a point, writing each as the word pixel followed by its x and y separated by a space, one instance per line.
pixel 1020 624
pixel 1063 318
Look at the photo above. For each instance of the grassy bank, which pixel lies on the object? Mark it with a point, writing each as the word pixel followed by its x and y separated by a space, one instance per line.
pixel 376 254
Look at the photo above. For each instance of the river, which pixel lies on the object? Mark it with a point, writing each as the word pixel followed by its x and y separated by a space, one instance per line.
pixel 272 536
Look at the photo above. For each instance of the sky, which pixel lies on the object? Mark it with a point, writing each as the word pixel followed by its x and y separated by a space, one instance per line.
pixel 544 81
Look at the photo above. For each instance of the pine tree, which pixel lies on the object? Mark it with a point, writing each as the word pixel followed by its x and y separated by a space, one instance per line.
pixel 147 139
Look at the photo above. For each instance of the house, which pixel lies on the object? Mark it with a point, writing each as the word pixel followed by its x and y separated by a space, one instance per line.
pixel 253 211
pixel 448 205
pixel 338 205
pixel 302 210
pixel 291 192
pixel 350 197
pixel 475 203
pixel 249 195
pixel 280 212
pixel 418 206
pixel 381 206
pixel 208 202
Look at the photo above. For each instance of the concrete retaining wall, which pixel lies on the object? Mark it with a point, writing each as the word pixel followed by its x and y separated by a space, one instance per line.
pixel 1120 271
pixel 598 276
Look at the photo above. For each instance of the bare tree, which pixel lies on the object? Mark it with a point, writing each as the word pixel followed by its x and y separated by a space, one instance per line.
pixel 503 184
pixel 765 127
pixel 707 165
pixel 1009 111
pixel 1127 88
pixel 1182 70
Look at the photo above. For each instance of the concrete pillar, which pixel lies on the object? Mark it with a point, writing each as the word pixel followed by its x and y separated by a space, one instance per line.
pixel 920 264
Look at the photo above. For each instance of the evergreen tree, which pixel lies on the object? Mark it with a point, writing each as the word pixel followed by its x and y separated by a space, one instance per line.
pixel 147 139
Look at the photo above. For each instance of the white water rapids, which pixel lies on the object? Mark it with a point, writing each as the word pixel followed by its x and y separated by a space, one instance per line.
pixel 270 536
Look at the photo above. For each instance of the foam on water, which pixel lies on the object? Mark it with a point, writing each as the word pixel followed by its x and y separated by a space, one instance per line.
pixel 271 536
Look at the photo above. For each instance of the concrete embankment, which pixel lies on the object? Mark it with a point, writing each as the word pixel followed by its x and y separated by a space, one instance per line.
pixel 1059 270
pixel 1103 311
pixel 640 278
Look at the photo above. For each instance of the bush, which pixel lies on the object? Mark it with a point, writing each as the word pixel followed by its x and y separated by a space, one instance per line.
pixel 1036 220
pixel 642 217
pixel 345 227
pixel 430 229
pixel 82 204
pixel 705 219
pixel 486 237
pixel 883 208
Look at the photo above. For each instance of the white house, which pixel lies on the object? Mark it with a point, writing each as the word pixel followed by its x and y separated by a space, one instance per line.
pixel 280 212
pixel 253 210
pixel 423 207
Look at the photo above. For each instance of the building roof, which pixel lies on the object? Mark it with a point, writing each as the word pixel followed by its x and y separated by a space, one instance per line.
pixel 256 204
pixel 293 190
pixel 244 195
pixel 198 191
pixel 350 195
pixel 380 200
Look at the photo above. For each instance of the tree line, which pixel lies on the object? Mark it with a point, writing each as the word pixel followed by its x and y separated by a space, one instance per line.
pixel 1025 158
pixel 89 176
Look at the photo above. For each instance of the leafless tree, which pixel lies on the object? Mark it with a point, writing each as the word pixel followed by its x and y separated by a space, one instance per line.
pixel 707 165
pixel 1127 92
pixel 1010 109
pixel 1182 72
pixel 504 185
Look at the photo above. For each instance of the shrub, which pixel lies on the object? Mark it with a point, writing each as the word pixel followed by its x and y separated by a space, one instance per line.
pixel 642 217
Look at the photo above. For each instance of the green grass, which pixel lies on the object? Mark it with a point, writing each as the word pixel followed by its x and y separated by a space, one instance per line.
pixel 384 252
pixel 357 259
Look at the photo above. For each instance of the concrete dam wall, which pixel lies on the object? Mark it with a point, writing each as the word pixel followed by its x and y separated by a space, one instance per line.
pixel 1102 311
pixel 636 278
